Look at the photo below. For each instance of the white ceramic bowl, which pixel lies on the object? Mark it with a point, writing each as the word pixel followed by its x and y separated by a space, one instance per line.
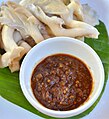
pixel 64 45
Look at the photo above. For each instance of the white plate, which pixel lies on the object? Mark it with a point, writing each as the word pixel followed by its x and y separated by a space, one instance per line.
pixel 101 111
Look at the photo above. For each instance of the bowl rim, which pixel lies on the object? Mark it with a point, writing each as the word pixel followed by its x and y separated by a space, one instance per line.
pixel 55 113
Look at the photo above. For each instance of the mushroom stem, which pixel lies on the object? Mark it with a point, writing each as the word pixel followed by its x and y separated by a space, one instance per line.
pixel 7 37
pixel 20 18
pixel 18 39
pixel 4 60
pixel 17 36
pixel 56 23
pixel 26 2
pixel 13 52
pixel 25 45
pixel 76 9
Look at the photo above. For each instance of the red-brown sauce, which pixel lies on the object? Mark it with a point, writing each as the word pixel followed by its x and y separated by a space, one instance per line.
pixel 61 82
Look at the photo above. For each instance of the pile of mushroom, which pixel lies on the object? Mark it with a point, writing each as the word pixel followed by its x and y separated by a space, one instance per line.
pixel 25 24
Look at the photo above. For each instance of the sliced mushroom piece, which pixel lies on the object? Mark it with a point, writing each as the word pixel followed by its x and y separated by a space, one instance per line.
pixel 20 18
pixel 26 2
pixel 40 25
pixel 58 7
pixel 76 9
pixel 44 32
pixel 55 24
pixel 49 31
pixel 8 60
pixel 80 38
pixel 7 37
pixel 20 42
pixel 79 10
pixel 13 52
pixel 25 45
pixel 49 6
pixel 4 60
pixel 17 36
pixel 75 12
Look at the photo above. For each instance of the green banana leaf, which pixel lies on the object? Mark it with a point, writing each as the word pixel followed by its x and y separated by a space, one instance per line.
pixel 10 86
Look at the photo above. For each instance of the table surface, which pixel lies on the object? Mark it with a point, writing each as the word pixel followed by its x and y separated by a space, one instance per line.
pixel 101 111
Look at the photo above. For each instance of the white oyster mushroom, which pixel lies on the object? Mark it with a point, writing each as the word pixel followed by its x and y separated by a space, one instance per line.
pixel 40 25
pixel 57 7
pixel 20 42
pixel 78 24
pixel 7 37
pixel 20 18
pixel 26 2
pixel 17 36
pixel 48 6
pixel 56 23
pixel 13 52
pixel 25 45
pixel 67 13
pixel 76 9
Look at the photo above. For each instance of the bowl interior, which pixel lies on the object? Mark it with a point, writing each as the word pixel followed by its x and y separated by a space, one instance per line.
pixel 67 46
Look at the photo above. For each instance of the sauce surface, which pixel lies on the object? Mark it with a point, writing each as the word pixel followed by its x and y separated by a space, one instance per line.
pixel 61 82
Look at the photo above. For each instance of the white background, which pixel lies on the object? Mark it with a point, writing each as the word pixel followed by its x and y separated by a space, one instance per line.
pixel 101 111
